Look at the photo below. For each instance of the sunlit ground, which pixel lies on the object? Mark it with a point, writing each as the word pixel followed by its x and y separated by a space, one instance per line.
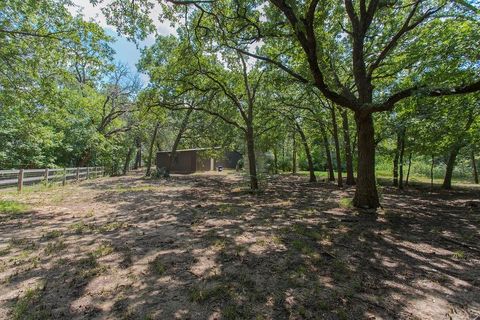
pixel 201 247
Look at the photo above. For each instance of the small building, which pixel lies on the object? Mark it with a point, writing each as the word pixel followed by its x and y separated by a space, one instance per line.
pixel 196 160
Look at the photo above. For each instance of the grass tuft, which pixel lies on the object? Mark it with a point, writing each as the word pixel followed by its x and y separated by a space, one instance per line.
pixel 201 295
pixel 79 227
pixel 111 226
pixel 459 255
pixel 103 250
pixel 12 207
pixel 53 247
pixel 345 203
pixel 52 234
pixel 157 267
pixel 23 307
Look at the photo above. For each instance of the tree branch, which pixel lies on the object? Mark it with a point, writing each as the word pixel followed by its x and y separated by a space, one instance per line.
pixel 424 91
pixel 406 27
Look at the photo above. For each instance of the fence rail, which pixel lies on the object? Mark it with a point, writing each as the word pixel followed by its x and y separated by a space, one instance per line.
pixel 22 177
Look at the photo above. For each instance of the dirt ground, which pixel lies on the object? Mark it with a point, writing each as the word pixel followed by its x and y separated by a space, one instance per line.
pixel 200 247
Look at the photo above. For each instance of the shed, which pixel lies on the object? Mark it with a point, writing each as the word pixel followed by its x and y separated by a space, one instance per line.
pixel 194 160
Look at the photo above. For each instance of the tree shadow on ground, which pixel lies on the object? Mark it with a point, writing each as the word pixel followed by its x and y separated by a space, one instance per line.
pixel 200 247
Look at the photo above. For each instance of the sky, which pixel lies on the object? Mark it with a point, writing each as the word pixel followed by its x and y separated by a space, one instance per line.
pixel 125 51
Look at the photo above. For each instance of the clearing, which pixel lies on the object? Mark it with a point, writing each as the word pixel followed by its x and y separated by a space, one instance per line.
pixel 200 247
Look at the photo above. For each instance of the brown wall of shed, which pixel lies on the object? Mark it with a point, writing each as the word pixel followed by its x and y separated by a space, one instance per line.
pixel 184 162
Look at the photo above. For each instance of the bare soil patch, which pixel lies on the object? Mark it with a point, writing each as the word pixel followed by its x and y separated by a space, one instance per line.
pixel 200 247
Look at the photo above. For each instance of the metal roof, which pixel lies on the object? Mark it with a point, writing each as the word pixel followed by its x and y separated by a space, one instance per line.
pixel 193 149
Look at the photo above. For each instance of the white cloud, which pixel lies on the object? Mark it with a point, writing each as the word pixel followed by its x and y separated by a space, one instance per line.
pixel 91 12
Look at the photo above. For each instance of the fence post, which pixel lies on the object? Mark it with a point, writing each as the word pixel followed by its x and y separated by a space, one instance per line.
pixel 46 175
pixel 64 176
pixel 88 171
pixel 20 180
pixel 78 174
pixel 94 172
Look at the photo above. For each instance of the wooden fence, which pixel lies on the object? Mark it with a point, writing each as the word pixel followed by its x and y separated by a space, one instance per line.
pixel 22 177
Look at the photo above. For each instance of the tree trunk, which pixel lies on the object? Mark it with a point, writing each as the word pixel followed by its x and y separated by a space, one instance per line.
pixel 85 159
pixel 395 162
pixel 294 154
pixel 115 168
pixel 183 127
pixel 408 170
pixel 474 167
pixel 348 149
pixel 431 172
pixel 447 180
pixel 138 156
pixel 326 144
pixel 308 153
pixel 402 152
pixel 337 147
pixel 275 161
pixel 252 164
pixel 366 195
pixel 127 161
pixel 150 151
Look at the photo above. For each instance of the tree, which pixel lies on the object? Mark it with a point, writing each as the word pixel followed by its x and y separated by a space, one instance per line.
pixel 52 65
pixel 379 61
pixel 363 56
pixel 232 91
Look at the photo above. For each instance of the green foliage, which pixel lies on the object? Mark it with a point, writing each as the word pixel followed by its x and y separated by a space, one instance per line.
pixel 62 101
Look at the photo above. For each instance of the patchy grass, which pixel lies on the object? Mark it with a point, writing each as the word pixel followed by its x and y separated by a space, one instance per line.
pixel 213 293
pixel 303 247
pixel 102 250
pixel 314 233
pixel 226 209
pixel 88 262
pixel 23 257
pixel 5 251
pixel 345 203
pixel 190 247
pixel 26 308
pixel 88 267
pixel 219 244
pixel 90 213
pixel 22 243
pixel 459 255
pixel 52 234
pixel 111 226
pixel 157 267
pixel 11 207
pixel 54 247
pixel 233 311
pixel 80 227
pixel 143 188
pixel 340 270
